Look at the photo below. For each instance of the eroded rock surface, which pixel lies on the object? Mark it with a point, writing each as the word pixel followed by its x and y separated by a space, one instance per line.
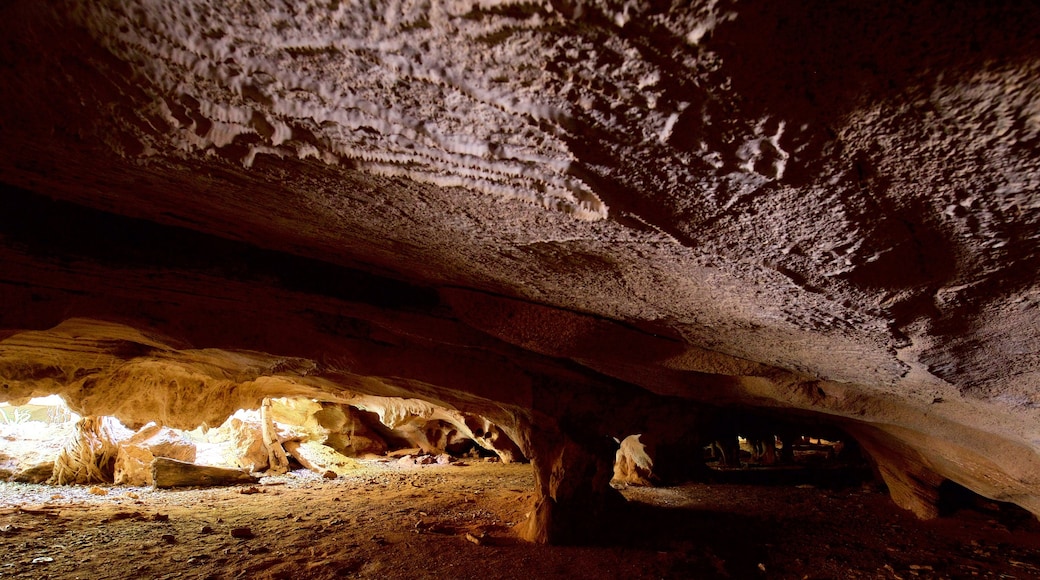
pixel 134 459
pixel 632 464
pixel 348 431
pixel 556 217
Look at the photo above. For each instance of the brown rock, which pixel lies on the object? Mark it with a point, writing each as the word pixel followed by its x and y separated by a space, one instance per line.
pixel 348 432
pixel 632 464
pixel 320 458
pixel 242 533
pixel 35 474
pixel 248 450
pixel 172 473
pixel 134 459
pixel 555 235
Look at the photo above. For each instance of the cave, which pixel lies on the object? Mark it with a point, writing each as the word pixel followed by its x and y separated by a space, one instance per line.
pixel 602 288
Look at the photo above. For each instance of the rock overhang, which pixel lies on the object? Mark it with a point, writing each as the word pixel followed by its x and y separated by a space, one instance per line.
pixel 713 202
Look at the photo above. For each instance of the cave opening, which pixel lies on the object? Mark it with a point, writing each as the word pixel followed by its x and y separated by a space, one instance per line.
pixel 46 442
pixel 399 510
pixel 746 446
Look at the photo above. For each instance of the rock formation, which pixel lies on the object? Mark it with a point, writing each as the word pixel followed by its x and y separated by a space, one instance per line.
pixel 348 431
pixel 563 218
pixel 633 465
pixel 135 455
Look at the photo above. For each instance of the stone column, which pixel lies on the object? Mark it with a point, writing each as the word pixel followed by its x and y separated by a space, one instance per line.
pixel 572 480
pixel 911 484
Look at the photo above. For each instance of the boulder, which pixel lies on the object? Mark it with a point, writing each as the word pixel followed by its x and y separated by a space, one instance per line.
pixel 172 473
pixel 247 449
pixel 36 474
pixel 133 460
pixel 135 456
pixel 134 466
pixel 300 414
pixel 320 458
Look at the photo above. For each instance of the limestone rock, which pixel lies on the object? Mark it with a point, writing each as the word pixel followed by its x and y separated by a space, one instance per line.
pixel 164 442
pixel 632 464
pixel 575 500
pixel 168 473
pixel 320 458
pixel 247 449
pixel 133 465
pixel 553 216
pixel 348 430
pixel 36 474
pixel 432 436
pixel 300 413
pixel 89 456
pixel 411 423
pixel 493 438
pixel 134 459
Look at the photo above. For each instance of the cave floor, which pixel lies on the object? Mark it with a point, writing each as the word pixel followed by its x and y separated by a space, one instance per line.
pixel 389 521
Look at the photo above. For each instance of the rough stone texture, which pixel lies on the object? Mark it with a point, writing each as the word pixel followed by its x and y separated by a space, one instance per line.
pixel 39 473
pixel 411 423
pixel 134 466
pixel 549 215
pixel 491 437
pixel 247 451
pixel 632 464
pixel 168 472
pixel 320 458
pixel 300 414
pixel 432 437
pixel 134 458
pixel 348 431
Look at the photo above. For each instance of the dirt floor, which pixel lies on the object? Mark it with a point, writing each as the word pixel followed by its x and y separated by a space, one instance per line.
pixel 394 521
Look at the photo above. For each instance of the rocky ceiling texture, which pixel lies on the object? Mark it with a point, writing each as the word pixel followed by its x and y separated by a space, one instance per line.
pixel 577 219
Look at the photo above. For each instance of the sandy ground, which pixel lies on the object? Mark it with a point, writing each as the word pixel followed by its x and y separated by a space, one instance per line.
pixel 391 521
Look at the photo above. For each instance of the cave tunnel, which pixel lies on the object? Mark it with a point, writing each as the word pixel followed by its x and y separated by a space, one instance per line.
pixel 519 289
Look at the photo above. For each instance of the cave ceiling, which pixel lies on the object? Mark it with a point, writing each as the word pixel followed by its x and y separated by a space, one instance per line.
pixel 514 207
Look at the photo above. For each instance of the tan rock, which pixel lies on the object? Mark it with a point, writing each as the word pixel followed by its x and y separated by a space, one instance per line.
pixel 348 431
pixel 632 464
pixel 133 466
pixel 134 459
pixel 492 437
pixel 300 413
pixel 247 449
pixel 320 458
pixel 35 474
pixel 168 472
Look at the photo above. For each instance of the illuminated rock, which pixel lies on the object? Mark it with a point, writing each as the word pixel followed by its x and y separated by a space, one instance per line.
pixel 632 464
pixel 134 459
pixel 348 431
